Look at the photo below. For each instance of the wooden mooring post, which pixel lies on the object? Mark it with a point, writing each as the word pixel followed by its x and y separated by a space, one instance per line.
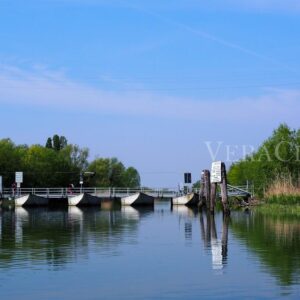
pixel 208 188
pixel 224 192
pixel 204 194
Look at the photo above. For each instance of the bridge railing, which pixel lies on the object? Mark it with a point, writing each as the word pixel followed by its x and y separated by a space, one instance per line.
pixel 61 192
pixel 104 192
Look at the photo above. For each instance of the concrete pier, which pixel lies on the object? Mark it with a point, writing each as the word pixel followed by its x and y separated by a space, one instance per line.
pixel 31 200
pixel 191 199
pixel 84 200
pixel 138 199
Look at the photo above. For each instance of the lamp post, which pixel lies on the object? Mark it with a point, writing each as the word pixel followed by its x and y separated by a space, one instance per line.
pixel 81 182
pixel 82 174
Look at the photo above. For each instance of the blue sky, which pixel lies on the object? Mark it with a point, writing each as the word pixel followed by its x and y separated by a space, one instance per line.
pixel 150 82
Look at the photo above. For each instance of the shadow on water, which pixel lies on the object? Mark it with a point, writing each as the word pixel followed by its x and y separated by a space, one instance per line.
pixel 275 240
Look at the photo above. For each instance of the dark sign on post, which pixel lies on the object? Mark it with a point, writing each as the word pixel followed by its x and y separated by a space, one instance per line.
pixel 187 178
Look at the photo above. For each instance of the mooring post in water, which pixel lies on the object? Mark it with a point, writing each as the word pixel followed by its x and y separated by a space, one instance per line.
pixel 213 194
pixel 224 192
pixel 201 191
pixel 207 188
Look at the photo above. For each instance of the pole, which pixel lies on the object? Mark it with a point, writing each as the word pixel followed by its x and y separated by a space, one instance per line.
pixel 224 192
pixel 201 192
pixel 207 188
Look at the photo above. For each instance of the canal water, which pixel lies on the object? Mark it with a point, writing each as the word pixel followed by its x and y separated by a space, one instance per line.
pixel 159 253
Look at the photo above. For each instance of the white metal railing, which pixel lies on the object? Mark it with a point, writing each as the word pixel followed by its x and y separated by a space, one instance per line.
pixel 111 192
pixel 105 192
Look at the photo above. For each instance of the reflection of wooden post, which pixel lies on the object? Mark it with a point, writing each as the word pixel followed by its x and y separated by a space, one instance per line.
pixel 207 188
pixel 202 227
pixel 224 193
pixel 208 228
pixel 213 194
pixel 213 228
pixel 225 237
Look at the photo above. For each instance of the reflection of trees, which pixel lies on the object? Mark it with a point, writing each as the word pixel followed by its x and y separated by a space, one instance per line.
pixel 276 240
pixel 58 237
pixel 210 239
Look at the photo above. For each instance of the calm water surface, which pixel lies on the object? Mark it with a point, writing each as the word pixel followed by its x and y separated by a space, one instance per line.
pixel 147 254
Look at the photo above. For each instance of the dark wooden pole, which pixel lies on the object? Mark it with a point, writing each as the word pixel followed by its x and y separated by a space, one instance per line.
pixel 201 192
pixel 224 192
pixel 207 188
pixel 213 194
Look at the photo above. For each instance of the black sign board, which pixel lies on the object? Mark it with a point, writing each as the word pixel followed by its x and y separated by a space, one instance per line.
pixel 187 178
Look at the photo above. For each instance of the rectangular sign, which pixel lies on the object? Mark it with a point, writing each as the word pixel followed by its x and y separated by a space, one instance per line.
pixel 19 177
pixel 216 172
pixel 187 178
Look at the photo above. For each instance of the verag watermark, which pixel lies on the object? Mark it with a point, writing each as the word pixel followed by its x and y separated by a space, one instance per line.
pixel 283 151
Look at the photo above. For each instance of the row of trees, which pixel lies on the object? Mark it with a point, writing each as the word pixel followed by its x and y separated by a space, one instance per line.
pixel 277 158
pixel 60 164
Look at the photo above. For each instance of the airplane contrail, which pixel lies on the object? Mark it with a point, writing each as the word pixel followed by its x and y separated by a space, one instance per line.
pixel 211 37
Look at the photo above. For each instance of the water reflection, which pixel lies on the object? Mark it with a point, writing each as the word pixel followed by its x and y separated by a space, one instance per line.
pixel 38 235
pixel 185 216
pixel 275 240
pixel 218 247
pixel 54 238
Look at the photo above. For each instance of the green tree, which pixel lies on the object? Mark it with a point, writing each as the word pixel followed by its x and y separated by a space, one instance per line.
pixel 276 157
pixel 63 142
pixel 44 167
pixel 49 143
pixel 56 142
pixel 110 172
pixel 131 178
pixel 10 160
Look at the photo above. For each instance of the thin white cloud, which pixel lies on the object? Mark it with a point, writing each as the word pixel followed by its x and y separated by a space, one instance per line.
pixel 42 88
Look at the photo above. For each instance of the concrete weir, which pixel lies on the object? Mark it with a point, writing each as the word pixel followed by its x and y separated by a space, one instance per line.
pixel 84 200
pixel 138 199
pixel 31 200
pixel 191 199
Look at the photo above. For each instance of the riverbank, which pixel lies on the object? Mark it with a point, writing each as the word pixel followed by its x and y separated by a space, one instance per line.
pixel 277 209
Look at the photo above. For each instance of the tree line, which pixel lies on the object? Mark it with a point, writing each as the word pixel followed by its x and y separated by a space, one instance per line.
pixel 59 164
pixel 278 158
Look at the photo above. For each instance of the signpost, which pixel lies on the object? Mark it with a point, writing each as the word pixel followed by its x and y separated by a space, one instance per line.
pixel 1 189
pixel 216 172
pixel 187 178
pixel 187 183
pixel 218 176
pixel 19 177
pixel 19 180
pixel 81 182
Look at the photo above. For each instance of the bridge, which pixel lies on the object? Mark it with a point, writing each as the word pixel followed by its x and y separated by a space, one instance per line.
pixel 57 193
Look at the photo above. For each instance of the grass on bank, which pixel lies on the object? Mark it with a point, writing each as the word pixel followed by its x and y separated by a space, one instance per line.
pixel 279 210
pixel 282 198
pixel 283 191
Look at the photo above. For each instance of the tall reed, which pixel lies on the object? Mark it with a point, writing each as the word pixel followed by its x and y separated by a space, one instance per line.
pixel 283 190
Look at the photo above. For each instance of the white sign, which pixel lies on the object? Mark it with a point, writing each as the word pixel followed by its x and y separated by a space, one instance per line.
pixel 19 177
pixel 216 172
pixel 0 184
